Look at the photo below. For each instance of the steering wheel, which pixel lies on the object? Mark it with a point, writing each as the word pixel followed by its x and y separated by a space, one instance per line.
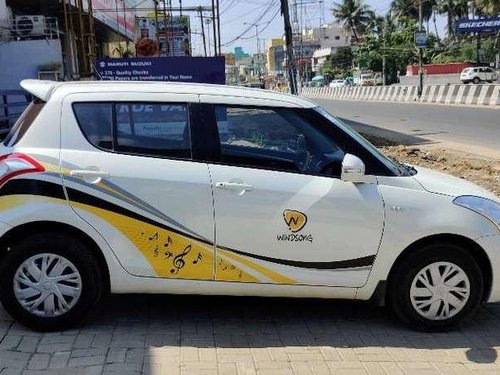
pixel 304 161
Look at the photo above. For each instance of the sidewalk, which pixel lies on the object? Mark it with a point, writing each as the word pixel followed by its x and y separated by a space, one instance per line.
pixel 222 335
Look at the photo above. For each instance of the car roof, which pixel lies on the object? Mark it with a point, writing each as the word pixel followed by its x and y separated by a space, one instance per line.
pixel 44 90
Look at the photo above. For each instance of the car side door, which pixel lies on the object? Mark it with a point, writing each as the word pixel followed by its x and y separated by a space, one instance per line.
pixel 128 171
pixel 282 214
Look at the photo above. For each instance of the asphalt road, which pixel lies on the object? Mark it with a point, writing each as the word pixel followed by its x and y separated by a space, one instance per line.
pixel 473 130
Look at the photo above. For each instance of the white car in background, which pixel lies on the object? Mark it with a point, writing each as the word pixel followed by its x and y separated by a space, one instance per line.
pixel 338 83
pixel 478 74
pixel 202 189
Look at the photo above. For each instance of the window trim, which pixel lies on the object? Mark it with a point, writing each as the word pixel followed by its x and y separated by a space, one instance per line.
pixel 114 128
pixel 381 170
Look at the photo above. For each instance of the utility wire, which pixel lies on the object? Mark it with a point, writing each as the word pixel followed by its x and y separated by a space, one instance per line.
pixel 252 24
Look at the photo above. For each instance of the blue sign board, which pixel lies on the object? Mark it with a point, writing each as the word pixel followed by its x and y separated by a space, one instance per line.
pixel 173 69
pixel 478 25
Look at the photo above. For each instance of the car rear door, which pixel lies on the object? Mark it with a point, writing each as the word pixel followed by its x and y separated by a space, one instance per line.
pixel 128 171
pixel 276 224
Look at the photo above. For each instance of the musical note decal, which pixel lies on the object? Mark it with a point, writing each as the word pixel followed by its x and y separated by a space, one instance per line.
pixel 154 237
pixel 179 261
pixel 168 242
pixel 168 255
pixel 199 258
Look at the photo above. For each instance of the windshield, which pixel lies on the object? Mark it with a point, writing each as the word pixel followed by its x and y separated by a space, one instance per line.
pixel 398 168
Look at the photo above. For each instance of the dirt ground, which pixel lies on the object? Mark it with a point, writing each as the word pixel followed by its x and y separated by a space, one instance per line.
pixel 482 171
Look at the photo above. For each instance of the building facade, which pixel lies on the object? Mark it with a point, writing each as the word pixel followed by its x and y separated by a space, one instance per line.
pixel 61 38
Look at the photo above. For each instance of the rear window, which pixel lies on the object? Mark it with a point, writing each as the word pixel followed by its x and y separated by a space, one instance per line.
pixel 23 123
pixel 150 129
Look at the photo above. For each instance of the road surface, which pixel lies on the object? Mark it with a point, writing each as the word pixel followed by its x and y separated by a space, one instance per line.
pixel 472 130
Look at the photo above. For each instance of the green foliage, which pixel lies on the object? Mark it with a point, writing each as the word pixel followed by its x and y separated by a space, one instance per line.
pixel 338 65
pixel 465 50
pixel 393 36
pixel 354 15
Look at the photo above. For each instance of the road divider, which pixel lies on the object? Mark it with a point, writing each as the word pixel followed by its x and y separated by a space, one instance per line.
pixel 452 94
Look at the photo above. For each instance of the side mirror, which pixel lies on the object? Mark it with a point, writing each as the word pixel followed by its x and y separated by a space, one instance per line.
pixel 353 170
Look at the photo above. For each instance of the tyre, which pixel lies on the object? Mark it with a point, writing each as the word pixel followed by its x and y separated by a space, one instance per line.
pixel 476 80
pixel 49 281
pixel 436 287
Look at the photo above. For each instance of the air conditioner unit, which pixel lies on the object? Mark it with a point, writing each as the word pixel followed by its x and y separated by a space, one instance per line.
pixel 30 25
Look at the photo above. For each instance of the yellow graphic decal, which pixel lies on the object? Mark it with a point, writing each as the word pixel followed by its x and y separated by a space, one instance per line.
pixel 274 276
pixel 170 254
pixel 295 220
pixel 227 271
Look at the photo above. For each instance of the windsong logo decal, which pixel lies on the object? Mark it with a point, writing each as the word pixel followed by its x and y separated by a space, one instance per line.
pixel 295 221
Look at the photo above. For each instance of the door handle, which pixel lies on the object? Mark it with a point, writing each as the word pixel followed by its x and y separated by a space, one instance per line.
pixel 88 173
pixel 235 186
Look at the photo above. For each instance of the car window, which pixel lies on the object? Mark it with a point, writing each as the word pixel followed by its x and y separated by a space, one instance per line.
pixel 274 138
pixel 158 129
pixel 95 120
pixel 153 129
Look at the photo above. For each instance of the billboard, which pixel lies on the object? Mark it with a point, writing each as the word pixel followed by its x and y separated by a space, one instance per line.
pixel 478 25
pixel 116 14
pixel 170 37
pixel 173 69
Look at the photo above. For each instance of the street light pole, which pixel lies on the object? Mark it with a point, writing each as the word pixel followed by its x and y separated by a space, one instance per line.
pixel 289 46
pixel 258 50
pixel 420 52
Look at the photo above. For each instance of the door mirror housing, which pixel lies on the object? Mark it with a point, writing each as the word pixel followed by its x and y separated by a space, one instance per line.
pixel 353 170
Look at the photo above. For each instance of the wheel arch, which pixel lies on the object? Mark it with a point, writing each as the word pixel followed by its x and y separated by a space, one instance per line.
pixel 22 230
pixel 468 244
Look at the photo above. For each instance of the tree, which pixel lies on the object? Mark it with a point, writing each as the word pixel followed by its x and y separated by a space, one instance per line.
pixel 487 8
pixel 409 8
pixel 354 15
pixel 338 64
pixel 454 10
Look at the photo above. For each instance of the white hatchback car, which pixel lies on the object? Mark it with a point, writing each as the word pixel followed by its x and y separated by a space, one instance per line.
pixel 203 189
pixel 478 74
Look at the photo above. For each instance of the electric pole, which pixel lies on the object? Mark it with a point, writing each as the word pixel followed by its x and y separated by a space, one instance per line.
pixel 214 24
pixel 384 51
pixel 420 52
pixel 203 31
pixel 289 47
pixel 218 27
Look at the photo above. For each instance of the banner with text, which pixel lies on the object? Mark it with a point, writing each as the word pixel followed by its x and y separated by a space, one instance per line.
pixel 174 69
pixel 478 25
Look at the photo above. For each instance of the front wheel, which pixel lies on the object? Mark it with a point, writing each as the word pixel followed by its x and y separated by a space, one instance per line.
pixel 436 288
pixel 476 80
pixel 49 281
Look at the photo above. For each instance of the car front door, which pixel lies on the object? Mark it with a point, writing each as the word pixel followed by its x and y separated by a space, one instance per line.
pixel 128 171
pixel 282 214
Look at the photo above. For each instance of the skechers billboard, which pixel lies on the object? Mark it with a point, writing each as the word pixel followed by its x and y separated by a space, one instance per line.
pixel 478 25
pixel 172 69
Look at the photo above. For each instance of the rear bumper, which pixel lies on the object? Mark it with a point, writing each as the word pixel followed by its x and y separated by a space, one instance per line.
pixel 491 244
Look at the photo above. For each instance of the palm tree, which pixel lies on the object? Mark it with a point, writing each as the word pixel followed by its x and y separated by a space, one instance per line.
pixel 409 8
pixel 487 8
pixel 354 15
pixel 454 10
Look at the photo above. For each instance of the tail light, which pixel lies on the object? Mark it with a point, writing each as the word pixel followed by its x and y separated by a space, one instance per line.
pixel 15 164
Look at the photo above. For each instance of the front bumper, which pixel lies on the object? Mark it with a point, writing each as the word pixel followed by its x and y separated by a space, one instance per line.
pixel 491 244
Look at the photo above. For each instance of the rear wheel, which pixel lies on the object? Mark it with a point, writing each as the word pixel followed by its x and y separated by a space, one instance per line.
pixel 49 281
pixel 436 287
pixel 476 80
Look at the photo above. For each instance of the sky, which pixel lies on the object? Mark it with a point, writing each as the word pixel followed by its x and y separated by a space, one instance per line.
pixel 266 14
